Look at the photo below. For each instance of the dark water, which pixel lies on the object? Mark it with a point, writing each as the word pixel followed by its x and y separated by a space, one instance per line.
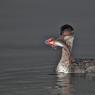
pixel 32 72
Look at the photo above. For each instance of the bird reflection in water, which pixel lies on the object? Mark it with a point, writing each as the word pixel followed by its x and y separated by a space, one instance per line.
pixel 63 85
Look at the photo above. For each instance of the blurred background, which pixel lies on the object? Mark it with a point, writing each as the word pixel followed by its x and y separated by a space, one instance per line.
pixel 27 23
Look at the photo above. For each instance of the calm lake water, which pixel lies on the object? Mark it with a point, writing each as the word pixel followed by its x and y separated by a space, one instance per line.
pixel 32 72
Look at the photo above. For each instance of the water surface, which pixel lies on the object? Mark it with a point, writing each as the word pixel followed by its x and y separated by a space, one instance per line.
pixel 32 72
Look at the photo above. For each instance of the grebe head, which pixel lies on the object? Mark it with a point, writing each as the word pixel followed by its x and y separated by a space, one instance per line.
pixel 66 31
